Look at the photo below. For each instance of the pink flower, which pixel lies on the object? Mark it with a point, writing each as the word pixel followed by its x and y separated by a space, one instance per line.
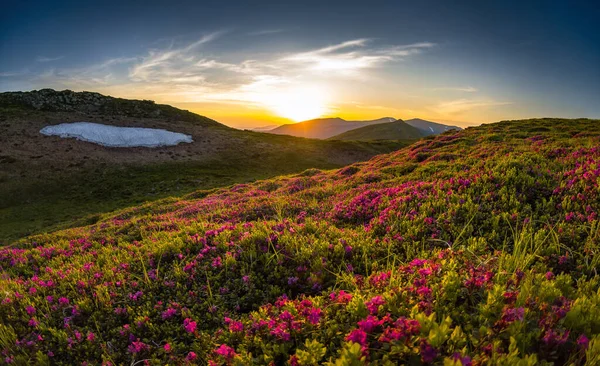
pixel 583 341
pixel 189 325
pixel 357 336
pixel 314 316
pixel 169 313
pixel 191 356
pixel 428 353
pixel 227 352
pixel 369 324
pixel 167 348
pixel 138 347
pixel 91 336
pixel 374 303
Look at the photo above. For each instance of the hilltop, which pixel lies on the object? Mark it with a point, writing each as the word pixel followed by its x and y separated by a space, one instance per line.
pixel 398 130
pixel 473 247
pixel 46 182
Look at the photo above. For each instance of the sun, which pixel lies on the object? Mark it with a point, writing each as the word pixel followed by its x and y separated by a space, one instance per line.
pixel 299 104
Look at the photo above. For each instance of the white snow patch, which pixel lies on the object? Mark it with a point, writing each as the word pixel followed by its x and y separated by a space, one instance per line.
pixel 113 136
pixel 431 128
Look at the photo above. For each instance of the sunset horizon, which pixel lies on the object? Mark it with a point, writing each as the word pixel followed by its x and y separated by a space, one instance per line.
pixel 462 65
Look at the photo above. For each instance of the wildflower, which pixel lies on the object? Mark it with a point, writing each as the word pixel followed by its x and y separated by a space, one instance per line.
pixel 167 347
pixel 374 303
pixel 358 336
pixel 91 336
pixel 191 356
pixel 137 347
pixel 30 310
pixel 369 324
pixel 314 316
pixel 169 313
pixel 549 276
pixel 227 352
pixel 583 341
pixel 428 353
pixel 189 325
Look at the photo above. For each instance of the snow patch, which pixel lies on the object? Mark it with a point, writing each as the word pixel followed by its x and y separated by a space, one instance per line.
pixel 431 128
pixel 113 136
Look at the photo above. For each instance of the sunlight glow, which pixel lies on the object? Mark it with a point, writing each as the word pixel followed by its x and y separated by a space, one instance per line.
pixel 298 104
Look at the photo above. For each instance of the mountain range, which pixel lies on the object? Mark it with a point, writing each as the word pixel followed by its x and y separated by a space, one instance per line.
pixel 325 128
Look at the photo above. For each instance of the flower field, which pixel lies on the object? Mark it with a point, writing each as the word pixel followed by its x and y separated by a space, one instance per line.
pixel 478 247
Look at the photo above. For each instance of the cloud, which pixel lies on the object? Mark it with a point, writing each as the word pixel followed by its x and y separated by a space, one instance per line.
pixel 175 65
pixel 466 89
pixel 464 105
pixel 351 56
pixel 48 59
pixel 99 74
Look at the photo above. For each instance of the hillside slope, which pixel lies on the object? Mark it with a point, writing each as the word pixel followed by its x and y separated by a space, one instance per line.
pixel 323 128
pixel 398 130
pixel 474 247
pixel 47 181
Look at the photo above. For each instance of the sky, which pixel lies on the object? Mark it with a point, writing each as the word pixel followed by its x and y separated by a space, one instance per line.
pixel 252 64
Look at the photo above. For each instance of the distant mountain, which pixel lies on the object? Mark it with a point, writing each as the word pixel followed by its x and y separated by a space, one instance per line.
pixel 323 128
pixel 430 128
pixel 398 130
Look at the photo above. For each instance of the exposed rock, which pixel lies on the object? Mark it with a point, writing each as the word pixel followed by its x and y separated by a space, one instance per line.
pixel 49 100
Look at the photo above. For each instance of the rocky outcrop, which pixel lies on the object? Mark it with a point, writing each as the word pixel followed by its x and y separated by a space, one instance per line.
pixel 50 100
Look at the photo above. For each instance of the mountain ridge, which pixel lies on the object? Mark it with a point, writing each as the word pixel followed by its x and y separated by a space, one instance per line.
pixel 397 130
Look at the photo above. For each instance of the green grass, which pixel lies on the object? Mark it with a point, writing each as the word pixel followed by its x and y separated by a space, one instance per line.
pixel 81 198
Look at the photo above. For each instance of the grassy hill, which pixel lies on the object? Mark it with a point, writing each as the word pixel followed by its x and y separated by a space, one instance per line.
pixel 475 247
pixel 49 182
pixel 323 128
pixel 397 130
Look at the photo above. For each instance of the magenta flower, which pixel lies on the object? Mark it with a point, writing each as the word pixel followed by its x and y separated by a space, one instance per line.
pixel 369 324
pixel 358 336
pixel 169 313
pixel 583 341
pixel 428 353
pixel 189 325
pixel 191 356
pixel 227 352
pixel 167 348
pixel 138 347
pixel 314 315
pixel 30 310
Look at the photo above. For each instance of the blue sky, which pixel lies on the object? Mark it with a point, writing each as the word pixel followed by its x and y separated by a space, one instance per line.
pixel 249 64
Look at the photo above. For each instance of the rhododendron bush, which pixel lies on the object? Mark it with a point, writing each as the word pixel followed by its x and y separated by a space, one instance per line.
pixel 478 247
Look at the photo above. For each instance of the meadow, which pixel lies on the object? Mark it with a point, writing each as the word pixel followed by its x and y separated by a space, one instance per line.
pixel 478 247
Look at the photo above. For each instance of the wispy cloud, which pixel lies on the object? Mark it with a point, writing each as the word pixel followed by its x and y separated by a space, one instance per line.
pixel 465 89
pixel 464 105
pixel 173 65
pixel 354 55
pixel 48 59
pixel 102 73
